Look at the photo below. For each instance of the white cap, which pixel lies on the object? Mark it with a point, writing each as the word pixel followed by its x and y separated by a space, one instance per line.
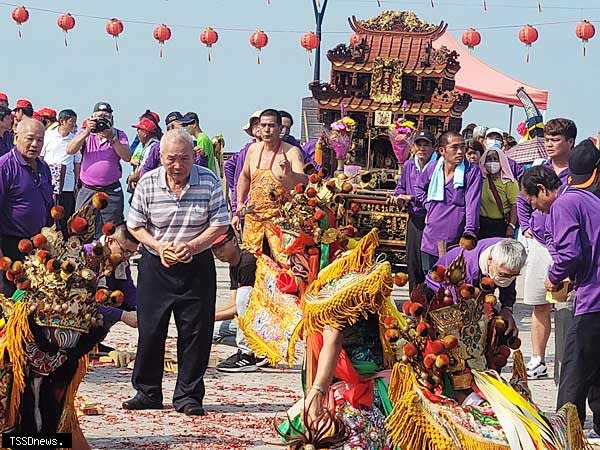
pixel 494 130
pixel 248 127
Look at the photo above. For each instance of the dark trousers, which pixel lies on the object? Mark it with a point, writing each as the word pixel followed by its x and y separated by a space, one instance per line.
pixel 414 235
pixel 9 246
pixel 189 292
pixel 489 228
pixel 428 261
pixel 580 371
pixel 112 213
pixel 67 201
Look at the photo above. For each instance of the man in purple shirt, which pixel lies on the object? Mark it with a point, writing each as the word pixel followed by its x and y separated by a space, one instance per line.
pixel 559 138
pixel 25 192
pixel 450 189
pixel 574 224
pixel 6 134
pixel 102 147
pixel 499 258
pixel 405 196
pixel 233 166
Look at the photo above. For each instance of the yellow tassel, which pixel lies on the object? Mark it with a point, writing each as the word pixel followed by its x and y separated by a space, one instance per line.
pixel 576 438
pixel 319 153
pixel 68 420
pixel 359 259
pixel 519 370
pixel 12 348
pixel 358 298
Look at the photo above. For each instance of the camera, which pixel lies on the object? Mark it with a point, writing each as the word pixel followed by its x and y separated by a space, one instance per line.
pixel 102 124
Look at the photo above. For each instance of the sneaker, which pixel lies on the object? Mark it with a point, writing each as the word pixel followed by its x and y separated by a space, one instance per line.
pixel 238 362
pixel 593 436
pixel 534 362
pixel 539 371
pixel 262 362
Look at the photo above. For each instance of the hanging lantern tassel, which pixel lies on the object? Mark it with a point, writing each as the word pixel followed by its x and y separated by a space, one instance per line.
pixel 528 48
pixel 161 33
pixel 484 5
pixel 66 44
pixel 432 4
pixel 379 3
pixel 585 31
pixel 20 15
pixel 259 40
pixel 258 55
pixel 115 27
pixel 66 22
pixel 539 6
pixel 209 37
pixel 528 35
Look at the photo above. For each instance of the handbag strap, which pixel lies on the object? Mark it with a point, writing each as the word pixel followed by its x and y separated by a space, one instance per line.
pixel 496 195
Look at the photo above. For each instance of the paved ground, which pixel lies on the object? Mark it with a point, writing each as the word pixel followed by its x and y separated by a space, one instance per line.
pixel 241 407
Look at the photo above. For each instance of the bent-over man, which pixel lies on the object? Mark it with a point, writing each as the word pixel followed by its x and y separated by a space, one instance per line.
pixel 177 211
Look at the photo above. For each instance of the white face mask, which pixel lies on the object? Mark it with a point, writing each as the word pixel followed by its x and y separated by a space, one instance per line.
pixel 493 144
pixel 492 167
pixel 502 282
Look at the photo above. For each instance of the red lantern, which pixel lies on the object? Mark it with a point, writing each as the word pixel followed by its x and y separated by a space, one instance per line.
pixel 66 22
pixel 209 37
pixel 309 42
pixel 20 15
pixel 471 38
pixel 585 31
pixel 259 40
pixel 115 27
pixel 355 39
pixel 528 35
pixel 161 33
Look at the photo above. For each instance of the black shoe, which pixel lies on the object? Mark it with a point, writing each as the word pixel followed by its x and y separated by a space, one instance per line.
pixel 104 348
pixel 238 362
pixel 134 404
pixel 194 410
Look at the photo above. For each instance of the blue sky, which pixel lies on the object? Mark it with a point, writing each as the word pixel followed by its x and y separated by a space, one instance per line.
pixel 226 91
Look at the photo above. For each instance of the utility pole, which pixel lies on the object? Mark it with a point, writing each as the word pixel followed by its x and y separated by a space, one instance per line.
pixel 319 16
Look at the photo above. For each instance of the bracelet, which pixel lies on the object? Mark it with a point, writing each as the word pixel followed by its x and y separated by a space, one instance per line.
pixel 318 388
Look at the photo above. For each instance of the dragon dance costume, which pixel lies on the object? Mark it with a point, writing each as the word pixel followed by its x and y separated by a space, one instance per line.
pixel 51 323
pixel 426 377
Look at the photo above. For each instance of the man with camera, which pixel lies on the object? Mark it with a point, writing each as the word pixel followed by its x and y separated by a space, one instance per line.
pixel 102 147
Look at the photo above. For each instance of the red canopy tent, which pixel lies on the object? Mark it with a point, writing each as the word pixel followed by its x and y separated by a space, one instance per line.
pixel 483 82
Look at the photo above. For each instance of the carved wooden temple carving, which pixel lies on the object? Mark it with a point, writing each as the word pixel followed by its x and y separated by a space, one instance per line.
pixel 392 72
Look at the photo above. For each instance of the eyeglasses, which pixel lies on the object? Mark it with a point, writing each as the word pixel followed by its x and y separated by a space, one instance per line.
pixel 124 252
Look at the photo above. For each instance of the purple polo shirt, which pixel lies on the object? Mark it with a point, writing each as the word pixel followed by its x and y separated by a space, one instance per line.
pixel 153 160
pixel 6 142
pixel 536 220
pixel 574 225
pixel 508 295
pixel 456 215
pixel 100 164
pixel 407 186
pixel 25 197
pixel 239 166
pixel 516 169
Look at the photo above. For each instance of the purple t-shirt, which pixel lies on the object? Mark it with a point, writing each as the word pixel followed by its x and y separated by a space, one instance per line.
pixel 574 229
pixel 406 185
pixel 6 142
pixel 473 275
pixel 536 220
pixel 25 197
pixel 100 164
pixel 456 215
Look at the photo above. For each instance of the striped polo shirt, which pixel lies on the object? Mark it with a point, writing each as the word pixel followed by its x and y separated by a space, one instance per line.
pixel 170 219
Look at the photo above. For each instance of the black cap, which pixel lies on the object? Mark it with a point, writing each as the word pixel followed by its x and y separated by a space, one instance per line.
pixel 584 161
pixel 173 117
pixel 425 135
pixel 104 107
pixel 190 118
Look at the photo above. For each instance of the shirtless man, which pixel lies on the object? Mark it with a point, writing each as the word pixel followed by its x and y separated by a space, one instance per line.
pixel 269 165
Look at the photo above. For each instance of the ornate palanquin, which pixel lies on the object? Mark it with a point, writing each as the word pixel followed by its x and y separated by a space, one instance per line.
pixel 394 71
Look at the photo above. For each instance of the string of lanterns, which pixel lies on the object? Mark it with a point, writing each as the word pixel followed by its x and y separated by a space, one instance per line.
pixel 471 38
pixel 529 34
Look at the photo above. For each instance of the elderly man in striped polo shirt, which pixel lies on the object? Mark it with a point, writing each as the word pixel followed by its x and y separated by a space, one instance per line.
pixel 177 211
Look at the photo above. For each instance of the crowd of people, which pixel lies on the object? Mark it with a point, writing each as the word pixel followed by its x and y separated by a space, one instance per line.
pixel 459 194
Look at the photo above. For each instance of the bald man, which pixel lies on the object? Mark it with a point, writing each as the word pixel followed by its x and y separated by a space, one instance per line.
pixel 25 191
pixel 177 211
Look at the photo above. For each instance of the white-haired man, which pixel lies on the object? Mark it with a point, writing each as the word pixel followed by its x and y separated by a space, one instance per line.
pixel 177 211
pixel 499 258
